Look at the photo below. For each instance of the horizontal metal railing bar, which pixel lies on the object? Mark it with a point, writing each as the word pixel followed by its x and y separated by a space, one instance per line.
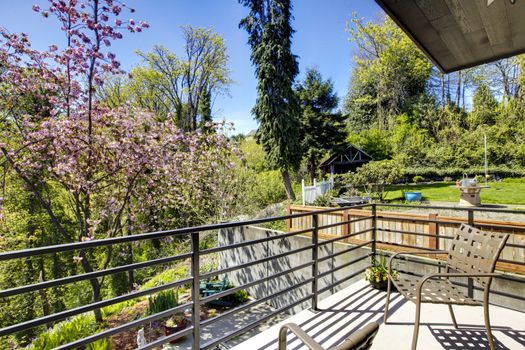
pixel 90 275
pixel 89 307
pixel 338 238
pixel 513 245
pixel 502 227
pixel 432 221
pixel 124 327
pixel 512 262
pixel 253 241
pixel 340 267
pixel 413 233
pixel 346 222
pixel 506 211
pixel 255 302
pixel 404 245
pixel 456 223
pixel 254 283
pixel 166 339
pixel 253 324
pixel 255 262
pixel 327 288
pixel 326 257
pixel 153 235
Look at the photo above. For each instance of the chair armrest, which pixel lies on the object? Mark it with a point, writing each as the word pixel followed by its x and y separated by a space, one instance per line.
pixel 305 338
pixel 452 274
pixel 362 339
pixel 419 252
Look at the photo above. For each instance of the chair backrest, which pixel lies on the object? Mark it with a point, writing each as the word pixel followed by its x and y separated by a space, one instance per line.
pixel 475 251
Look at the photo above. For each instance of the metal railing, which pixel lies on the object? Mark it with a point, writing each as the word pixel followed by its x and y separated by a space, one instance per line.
pixel 195 278
pixel 373 216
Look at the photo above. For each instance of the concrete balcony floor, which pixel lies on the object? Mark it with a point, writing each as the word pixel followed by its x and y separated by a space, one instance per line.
pixel 353 307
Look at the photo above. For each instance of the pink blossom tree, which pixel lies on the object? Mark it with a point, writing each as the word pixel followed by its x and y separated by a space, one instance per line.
pixel 109 164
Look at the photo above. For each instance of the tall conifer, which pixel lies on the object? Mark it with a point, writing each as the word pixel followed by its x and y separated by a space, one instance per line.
pixel 277 107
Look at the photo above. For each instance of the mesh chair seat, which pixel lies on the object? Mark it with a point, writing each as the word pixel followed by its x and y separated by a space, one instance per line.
pixel 437 291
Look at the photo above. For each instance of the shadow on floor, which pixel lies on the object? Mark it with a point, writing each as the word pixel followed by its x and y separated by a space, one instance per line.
pixel 364 306
pixel 459 339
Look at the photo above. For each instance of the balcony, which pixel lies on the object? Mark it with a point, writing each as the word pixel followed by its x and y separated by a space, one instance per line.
pixel 313 272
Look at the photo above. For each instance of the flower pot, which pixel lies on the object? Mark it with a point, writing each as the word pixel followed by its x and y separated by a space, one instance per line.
pixel 413 196
pixel 172 330
pixel 383 285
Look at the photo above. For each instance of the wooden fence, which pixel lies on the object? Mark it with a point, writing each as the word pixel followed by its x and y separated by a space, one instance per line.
pixel 396 231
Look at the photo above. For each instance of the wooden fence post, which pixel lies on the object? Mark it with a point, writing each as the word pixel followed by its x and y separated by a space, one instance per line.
pixel 346 227
pixel 433 241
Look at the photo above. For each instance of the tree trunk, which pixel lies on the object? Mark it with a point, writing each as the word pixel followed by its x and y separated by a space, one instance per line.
pixel 312 169
pixel 288 185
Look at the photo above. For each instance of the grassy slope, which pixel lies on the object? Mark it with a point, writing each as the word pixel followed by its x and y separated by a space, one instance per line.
pixel 498 193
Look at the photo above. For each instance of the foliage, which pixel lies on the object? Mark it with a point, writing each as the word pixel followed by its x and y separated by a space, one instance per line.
pixel 378 272
pixel 277 107
pixel 182 88
pixel 324 200
pixel 417 179
pixel 162 301
pixel 389 73
pixel 374 142
pixel 89 168
pixel 322 128
pixel 374 177
pixel 64 332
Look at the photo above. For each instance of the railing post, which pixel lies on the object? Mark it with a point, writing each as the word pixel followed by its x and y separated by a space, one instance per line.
pixel 289 212
pixel 195 272
pixel 470 281
pixel 315 259
pixel 374 230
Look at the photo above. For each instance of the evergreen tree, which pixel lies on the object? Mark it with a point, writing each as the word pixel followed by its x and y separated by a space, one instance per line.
pixel 323 130
pixel 277 107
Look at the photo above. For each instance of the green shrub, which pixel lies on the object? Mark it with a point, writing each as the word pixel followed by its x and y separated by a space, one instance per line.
pixel 267 189
pixel 417 179
pixel 374 177
pixel 162 301
pixel 236 298
pixel 457 172
pixel 68 331
pixel 323 200
pixel 514 180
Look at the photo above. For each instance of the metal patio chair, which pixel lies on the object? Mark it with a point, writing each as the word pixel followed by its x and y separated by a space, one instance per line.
pixel 360 340
pixel 473 253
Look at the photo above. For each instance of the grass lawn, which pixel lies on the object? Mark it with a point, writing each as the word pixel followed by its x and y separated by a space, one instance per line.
pixel 498 193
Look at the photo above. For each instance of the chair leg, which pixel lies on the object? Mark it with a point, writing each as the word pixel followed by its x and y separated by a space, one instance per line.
pixel 416 325
pixel 385 316
pixel 452 316
pixel 487 326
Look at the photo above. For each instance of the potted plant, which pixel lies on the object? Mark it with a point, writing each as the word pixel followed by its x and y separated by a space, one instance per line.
pixel 175 324
pixel 377 274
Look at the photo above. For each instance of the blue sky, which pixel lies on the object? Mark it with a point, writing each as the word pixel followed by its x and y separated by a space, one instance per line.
pixel 320 39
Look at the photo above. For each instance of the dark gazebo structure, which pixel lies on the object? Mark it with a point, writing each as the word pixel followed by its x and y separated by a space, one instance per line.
pixel 348 159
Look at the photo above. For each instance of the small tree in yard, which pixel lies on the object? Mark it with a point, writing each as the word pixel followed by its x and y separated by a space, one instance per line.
pixel 374 177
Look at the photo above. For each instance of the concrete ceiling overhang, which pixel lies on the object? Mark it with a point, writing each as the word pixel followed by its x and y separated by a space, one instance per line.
pixel 458 34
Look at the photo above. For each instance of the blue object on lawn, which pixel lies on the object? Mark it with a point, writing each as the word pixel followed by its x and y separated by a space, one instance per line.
pixel 413 196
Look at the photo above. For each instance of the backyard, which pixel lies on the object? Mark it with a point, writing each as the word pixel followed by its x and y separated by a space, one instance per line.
pixel 503 192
